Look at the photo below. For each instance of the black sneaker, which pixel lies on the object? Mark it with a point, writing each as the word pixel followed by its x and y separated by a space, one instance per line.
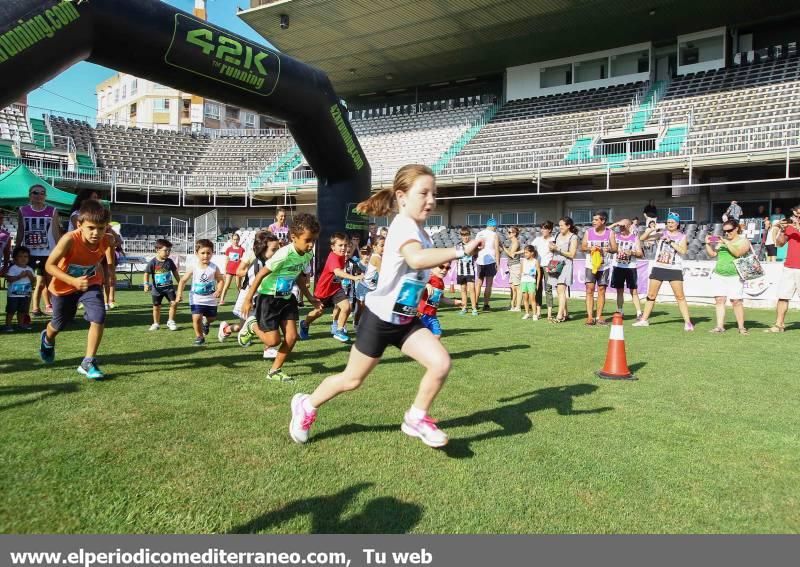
pixel 486 307
pixel 199 341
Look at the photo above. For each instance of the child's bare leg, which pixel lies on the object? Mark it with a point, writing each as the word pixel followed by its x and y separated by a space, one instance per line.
pixel 156 314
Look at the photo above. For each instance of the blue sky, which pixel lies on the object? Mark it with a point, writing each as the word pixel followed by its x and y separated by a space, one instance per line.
pixel 78 82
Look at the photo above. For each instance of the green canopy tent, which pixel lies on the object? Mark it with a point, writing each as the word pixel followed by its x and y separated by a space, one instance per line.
pixel 14 186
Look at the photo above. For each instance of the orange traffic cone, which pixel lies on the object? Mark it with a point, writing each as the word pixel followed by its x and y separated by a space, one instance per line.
pixel 616 367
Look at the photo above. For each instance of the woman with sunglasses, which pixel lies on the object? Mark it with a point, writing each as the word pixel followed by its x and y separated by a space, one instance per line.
pixel 667 267
pixel 39 228
pixel 726 280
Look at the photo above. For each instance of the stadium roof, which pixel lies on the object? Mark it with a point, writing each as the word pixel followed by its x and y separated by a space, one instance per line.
pixel 377 45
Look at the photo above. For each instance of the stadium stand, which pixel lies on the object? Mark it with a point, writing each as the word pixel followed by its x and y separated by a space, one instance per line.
pixel 14 126
pixel 548 124
pixel 243 155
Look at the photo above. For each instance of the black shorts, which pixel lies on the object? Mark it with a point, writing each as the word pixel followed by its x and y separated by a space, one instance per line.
pixel 464 280
pixel 159 295
pixel 624 277
pixel 486 272
pixel 36 263
pixel 666 275
pixel 772 250
pixel 271 311
pixel 18 305
pixel 334 299
pixel 375 334
pixel 66 306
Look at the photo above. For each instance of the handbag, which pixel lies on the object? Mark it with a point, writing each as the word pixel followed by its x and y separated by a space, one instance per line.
pixel 748 266
pixel 554 268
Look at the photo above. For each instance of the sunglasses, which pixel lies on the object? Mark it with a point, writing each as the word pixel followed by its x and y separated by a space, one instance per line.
pixel 445 268
pixel 37 193
pixel 728 230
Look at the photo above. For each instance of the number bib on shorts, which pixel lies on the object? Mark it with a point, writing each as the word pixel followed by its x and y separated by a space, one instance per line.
pixel 410 293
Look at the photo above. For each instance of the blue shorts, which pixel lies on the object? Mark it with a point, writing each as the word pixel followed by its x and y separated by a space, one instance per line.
pixel 65 307
pixel 431 323
pixel 206 310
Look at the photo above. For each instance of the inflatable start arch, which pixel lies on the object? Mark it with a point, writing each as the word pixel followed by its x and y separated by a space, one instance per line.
pixel 152 40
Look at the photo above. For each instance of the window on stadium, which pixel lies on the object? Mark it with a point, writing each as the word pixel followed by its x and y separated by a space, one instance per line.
pixel 249 120
pixel 479 219
pixel 124 92
pixel 584 215
pixel 232 112
pixel 160 104
pixel 556 76
pixel 212 111
pixel 129 219
pixel 166 220
pixel 510 219
pixel 686 213
pixel 434 220
pixel 133 110
pixel 591 70
pixel 134 87
pixel 258 223
pixel 116 95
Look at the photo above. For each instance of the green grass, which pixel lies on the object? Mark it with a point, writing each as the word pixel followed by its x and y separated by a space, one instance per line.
pixel 195 440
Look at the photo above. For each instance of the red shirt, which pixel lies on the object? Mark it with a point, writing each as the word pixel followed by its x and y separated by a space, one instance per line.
pixel 793 253
pixel 234 254
pixel 430 305
pixel 328 283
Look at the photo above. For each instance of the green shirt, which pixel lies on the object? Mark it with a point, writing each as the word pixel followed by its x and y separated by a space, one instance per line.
pixel 725 266
pixel 284 266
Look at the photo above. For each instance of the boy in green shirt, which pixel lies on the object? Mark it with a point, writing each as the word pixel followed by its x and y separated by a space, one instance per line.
pixel 277 310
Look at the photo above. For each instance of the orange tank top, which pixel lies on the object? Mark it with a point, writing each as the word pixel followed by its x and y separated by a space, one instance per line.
pixel 80 261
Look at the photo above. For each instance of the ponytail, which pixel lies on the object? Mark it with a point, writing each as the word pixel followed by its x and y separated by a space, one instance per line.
pixel 383 202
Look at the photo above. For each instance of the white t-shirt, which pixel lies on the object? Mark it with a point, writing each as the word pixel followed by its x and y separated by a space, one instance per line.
pixel 529 270
pixel 542 246
pixel 666 255
pixel 487 253
pixel 19 288
pixel 204 284
pixel 399 288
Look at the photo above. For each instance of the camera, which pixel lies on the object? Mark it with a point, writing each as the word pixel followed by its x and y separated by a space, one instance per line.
pixel 284 21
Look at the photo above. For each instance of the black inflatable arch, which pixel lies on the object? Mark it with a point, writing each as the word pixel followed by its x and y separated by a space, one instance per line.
pixel 152 40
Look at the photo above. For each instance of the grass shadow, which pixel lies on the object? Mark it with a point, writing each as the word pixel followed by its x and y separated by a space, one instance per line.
pixel 46 391
pixel 380 515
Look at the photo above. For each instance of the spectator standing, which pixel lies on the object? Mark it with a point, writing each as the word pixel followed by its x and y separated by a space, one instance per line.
pixel 789 283
pixel 667 267
pixel 279 228
pixel 5 247
pixel 487 260
pixel 564 248
pixel 650 212
pixel 514 267
pixel 39 229
pixel 734 211
pixel 544 255
pixel 769 239
pixel 625 272
pixel 600 242
pixel 725 279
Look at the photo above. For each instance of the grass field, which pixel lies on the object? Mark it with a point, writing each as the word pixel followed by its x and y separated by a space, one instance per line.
pixel 183 439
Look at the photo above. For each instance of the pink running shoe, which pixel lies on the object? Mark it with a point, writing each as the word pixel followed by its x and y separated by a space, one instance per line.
pixel 301 419
pixel 425 429
pixel 688 327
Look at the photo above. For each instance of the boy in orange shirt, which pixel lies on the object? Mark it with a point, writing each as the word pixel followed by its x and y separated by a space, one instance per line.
pixel 77 278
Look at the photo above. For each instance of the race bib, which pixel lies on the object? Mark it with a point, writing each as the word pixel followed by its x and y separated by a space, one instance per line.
pixel 233 256
pixel 408 297
pixel 283 286
pixel 36 239
pixel 78 271
pixel 20 288
pixel 162 279
pixel 203 288
pixel 435 298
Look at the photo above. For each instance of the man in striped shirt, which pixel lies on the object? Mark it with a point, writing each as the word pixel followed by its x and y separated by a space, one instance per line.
pixel 465 276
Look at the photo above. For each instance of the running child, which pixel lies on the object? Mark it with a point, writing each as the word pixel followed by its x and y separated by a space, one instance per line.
pixel 265 244
pixel 432 296
pixel 465 275
pixel 277 310
pixel 370 281
pixel 77 278
pixel 329 291
pixel 528 279
pixel 390 315
pixel 21 280
pixel 233 255
pixel 206 288
pixel 162 269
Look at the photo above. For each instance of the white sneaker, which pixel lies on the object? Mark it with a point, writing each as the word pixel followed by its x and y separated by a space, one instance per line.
pixel 641 323
pixel 171 325
pixel 301 420
pixel 526 316
pixel 154 327
pixel 224 331
pixel 536 317
pixel 425 429
pixel 270 353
